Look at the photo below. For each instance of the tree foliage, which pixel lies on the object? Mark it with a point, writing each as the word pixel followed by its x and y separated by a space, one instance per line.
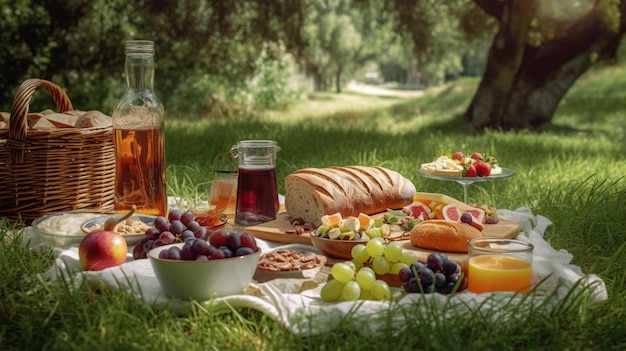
pixel 215 46
pixel 232 57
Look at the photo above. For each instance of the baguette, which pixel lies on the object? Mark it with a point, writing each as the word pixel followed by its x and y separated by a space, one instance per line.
pixel 314 192
pixel 443 235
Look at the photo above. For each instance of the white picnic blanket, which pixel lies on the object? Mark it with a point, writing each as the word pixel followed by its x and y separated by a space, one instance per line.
pixel 295 303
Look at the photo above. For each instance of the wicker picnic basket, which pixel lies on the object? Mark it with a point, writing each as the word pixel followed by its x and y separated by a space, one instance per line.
pixel 50 170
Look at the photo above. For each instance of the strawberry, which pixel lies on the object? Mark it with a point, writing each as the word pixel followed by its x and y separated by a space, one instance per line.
pixel 477 156
pixel 483 169
pixel 457 155
pixel 471 171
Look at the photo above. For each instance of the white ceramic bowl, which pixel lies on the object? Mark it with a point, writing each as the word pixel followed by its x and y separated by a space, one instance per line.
pixel 62 229
pixel 202 280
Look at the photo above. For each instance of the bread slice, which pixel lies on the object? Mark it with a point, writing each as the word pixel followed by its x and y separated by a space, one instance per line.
pixel 315 192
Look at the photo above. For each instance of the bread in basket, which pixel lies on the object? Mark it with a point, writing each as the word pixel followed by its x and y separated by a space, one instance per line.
pixel 53 169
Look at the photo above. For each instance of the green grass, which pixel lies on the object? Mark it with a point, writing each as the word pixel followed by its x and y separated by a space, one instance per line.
pixel 571 172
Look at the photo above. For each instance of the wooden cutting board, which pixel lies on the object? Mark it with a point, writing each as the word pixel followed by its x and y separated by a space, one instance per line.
pixel 276 231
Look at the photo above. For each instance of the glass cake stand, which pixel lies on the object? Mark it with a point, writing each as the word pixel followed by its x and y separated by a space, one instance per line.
pixel 467 181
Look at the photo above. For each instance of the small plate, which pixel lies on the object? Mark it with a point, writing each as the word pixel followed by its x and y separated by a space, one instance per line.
pixel 219 224
pixel 132 238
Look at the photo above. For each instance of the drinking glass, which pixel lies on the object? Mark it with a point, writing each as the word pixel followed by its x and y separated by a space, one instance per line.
pixel 499 265
pixel 223 195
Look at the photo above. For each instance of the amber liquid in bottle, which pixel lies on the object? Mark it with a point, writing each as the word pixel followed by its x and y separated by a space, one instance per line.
pixel 139 171
pixel 138 122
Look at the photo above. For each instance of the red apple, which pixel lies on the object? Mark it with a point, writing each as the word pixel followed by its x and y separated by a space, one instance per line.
pixel 102 249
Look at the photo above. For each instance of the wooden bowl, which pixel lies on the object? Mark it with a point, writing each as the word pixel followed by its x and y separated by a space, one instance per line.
pixel 339 249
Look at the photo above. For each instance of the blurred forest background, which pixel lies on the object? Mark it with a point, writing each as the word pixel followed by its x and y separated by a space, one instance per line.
pixel 228 58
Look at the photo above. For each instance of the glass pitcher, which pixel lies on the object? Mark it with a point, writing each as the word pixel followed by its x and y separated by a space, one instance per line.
pixel 257 191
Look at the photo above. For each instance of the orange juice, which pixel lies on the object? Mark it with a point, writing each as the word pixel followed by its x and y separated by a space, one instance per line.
pixel 499 273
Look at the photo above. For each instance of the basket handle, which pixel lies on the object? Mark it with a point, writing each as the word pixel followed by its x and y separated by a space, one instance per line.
pixel 18 124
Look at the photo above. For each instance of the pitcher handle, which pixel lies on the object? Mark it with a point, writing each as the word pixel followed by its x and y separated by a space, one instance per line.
pixel 218 156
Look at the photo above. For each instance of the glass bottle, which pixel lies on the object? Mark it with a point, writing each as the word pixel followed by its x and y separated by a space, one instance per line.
pixel 138 135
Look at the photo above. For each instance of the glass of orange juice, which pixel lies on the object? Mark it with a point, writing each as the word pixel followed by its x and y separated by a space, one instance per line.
pixel 499 265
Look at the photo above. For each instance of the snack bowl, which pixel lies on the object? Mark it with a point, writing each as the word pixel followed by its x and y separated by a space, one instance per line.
pixel 202 280
pixel 62 229
pixel 132 229
pixel 335 248
pixel 292 261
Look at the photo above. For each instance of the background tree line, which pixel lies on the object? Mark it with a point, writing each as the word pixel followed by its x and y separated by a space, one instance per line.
pixel 217 58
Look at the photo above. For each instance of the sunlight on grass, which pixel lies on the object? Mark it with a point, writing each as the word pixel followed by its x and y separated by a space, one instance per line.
pixel 573 173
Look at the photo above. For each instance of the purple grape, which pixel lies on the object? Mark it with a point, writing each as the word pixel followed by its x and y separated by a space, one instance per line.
pixel 405 274
pixel 187 252
pixel 217 255
pixel 233 241
pixel 466 218
pixel 147 245
pixel 416 266
pixel 411 285
pixel 426 276
pixel 200 233
pixel 173 253
pixel 193 226
pixel 173 215
pixel 156 243
pixel 218 238
pixel 161 224
pixel 152 233
pixel 167 238
pixel 202 258
pixel 201 247
pixel 177 227
pixel 242 251
pixel 450 267
pixel 163 254
pixel 434 262
pixel 187 217
pixel 227 252
pixel 188 234
pixel 211 249
pixel 440 280
pixel 247 240
pixel 138 252
pixel 446 288
pixel 427 289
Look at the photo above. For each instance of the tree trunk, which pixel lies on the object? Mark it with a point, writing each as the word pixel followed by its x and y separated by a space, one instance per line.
pixel 523 84
pixel 318 82
pixel 338 80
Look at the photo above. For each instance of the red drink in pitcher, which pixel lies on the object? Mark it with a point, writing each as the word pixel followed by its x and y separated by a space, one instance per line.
pixel 257 194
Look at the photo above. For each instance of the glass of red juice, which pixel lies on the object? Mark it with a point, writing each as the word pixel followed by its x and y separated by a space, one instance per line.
pixel 257 191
